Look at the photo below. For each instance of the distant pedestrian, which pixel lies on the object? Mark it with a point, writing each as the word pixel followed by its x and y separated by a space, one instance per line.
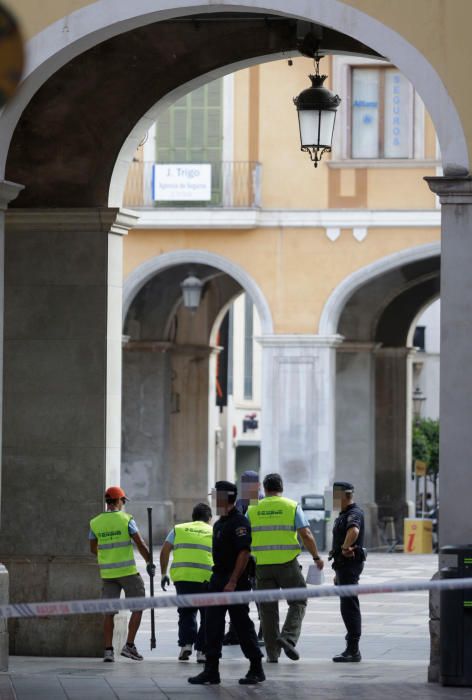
pixel 276 523
pixel 111 539
pixel 231 551
pixel 192 563
pixel 348 555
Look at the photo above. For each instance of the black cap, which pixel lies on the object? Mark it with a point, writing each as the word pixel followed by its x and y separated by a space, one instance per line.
pixel 227 486
pixel 344 486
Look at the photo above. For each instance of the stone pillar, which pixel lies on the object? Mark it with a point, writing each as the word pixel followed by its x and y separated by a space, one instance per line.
pixel 8 192
pixel 455 452
pixel 62 412
pixel 355 426
pixel 455 401
pixel 147 389
pixel 191 473
pixel 298 417
pixel 392 434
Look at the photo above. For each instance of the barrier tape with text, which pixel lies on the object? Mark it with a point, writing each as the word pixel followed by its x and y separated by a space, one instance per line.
pixel 84 607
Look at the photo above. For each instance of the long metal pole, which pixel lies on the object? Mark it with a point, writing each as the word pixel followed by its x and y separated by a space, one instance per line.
pixel 151 579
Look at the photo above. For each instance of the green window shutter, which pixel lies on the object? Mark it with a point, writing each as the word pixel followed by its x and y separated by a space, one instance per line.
pixel 191 131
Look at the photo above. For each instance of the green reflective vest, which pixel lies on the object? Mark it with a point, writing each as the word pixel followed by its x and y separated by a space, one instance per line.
pixel 115 546
pixel 192 560
pixel 274 537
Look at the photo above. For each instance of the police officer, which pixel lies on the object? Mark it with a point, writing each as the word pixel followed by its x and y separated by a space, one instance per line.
pixel 276 523
pixel 250 493
pixel 111 537
pixel 231 551
pixel 192 563
pixel 348 557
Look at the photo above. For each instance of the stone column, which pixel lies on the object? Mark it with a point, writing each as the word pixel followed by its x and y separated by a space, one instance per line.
pixel 455 401
pixel 62 412
pixel 8 192
pixel 455 453
pixel 190 469
pixel 298 416
pixel 392 434
pixel 147 393
pixel 355 426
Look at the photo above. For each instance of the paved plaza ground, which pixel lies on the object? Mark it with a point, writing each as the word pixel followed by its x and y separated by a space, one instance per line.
pixel 395 648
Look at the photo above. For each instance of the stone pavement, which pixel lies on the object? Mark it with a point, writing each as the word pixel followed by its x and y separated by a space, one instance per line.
pixel 394 646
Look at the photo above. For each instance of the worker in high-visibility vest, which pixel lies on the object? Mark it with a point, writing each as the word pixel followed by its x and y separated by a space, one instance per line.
pixel 276 523
pixel 111 536
pixel 191 545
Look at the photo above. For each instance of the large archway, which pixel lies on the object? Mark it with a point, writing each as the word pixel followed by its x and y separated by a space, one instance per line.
pixel 374 310
pixel 169 377
pixel 98 38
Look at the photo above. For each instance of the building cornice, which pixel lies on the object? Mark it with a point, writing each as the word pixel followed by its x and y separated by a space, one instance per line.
pixel 74 220
pixel 301 340
pixel 225 218
pixel 8 192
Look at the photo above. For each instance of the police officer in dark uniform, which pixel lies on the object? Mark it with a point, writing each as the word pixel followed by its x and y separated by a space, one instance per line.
pixel 231 553
pixel 348 556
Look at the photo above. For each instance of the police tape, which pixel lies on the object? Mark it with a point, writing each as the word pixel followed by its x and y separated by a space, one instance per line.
pixel 201 600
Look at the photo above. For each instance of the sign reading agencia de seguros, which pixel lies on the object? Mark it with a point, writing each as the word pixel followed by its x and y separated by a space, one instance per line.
pixel 181 182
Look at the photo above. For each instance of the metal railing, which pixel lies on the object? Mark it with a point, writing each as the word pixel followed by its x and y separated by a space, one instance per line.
pixel 234 184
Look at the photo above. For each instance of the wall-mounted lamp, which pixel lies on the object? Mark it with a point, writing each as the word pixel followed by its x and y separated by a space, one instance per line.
pixel 191 291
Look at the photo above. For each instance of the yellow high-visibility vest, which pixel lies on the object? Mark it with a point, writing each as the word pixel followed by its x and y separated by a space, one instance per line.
pixel 192 553
pixel 274 537
pixel 115 546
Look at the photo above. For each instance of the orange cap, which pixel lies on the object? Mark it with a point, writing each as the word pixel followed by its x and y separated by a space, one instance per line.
pixel 115 492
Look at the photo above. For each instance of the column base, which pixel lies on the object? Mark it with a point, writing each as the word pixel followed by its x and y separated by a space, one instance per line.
pixel 58 578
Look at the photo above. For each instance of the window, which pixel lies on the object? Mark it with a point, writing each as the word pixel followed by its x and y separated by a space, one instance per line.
pixel 381 113
pixel 248 346
pixel 191 131
pixel 419 338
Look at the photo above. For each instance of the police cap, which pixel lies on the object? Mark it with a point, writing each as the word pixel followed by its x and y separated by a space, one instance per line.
pixel 345 486
pixel 227 486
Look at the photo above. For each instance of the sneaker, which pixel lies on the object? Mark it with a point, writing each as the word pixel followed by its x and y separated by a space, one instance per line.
pixel 185 652
pixel 201 657
pixel 289 648
pixel 109 655
pixel 130 651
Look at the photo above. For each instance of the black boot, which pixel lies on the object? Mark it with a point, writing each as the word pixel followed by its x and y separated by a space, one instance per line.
pixel 209 676
pixel 351 654
pixel 254 675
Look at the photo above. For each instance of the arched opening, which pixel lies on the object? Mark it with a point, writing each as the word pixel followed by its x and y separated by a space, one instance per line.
pixel 181 386
pixel 374 383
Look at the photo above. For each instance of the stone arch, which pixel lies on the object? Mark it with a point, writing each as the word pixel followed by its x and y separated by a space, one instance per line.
pixel 335 304
pixel 142 274
pixel 53 48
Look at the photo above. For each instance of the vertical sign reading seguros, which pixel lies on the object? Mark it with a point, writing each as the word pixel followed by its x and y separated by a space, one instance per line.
pixel 181 182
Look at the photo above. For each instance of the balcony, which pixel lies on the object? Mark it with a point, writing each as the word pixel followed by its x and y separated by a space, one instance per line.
pixel 234 185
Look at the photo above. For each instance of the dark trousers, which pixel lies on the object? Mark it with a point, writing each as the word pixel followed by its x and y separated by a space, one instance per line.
pixel 350 609
pixel 239 617
pixel 189 632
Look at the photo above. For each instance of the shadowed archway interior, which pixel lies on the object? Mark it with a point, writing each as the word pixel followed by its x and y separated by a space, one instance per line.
pixel 75 125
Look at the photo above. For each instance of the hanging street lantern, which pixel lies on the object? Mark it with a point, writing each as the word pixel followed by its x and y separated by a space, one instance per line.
pixel 191 291
pixel 316 107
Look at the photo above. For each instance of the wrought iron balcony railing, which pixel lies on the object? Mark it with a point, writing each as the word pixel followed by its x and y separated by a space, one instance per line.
pixel 234 184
